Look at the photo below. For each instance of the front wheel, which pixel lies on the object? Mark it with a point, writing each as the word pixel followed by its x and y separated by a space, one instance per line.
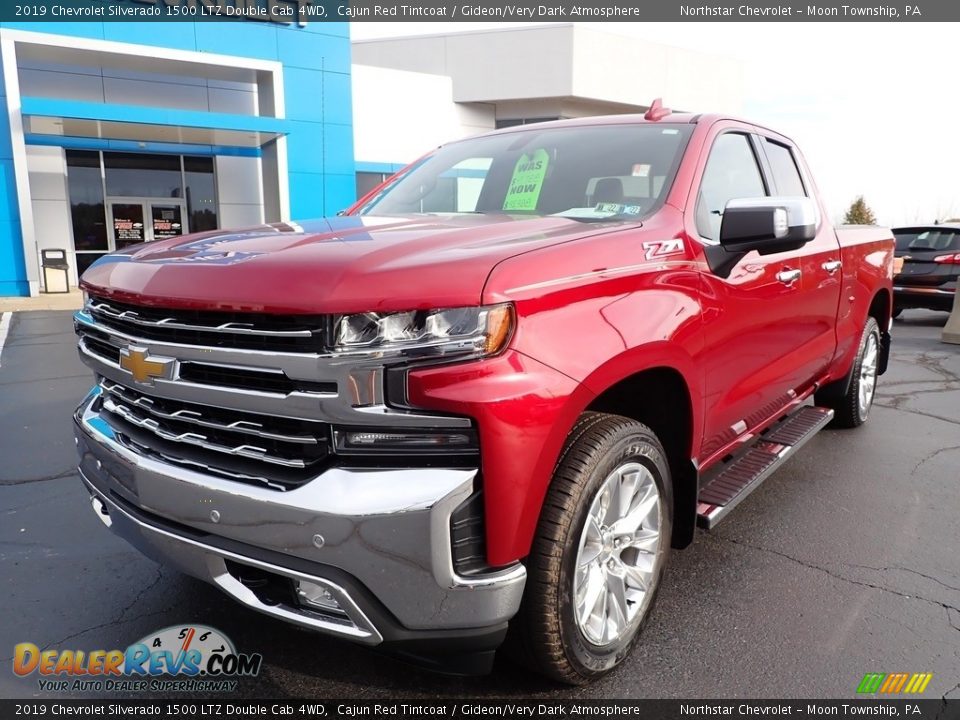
pixel 853 409
pixel 599 552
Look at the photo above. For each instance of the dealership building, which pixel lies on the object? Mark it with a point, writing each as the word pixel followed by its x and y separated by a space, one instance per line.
pixel 123 132
pixel 119 132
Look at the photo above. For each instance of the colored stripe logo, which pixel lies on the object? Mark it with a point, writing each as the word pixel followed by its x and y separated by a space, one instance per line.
pixel 894 683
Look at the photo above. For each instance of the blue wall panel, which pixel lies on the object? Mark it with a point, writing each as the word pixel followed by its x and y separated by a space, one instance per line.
pixel 13 271
pixel 341 193
pixel 69 29
pixel 176 35
pixel 246 38
pixel 338 149
pixel 303 93
pixel 337 99
pixel 305 147
pixel 307 195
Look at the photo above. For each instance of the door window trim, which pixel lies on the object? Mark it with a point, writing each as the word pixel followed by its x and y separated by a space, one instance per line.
pixel 765 178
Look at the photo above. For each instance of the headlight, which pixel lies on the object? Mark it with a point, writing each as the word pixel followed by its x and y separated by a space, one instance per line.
pixel 472 331
pixel 86 298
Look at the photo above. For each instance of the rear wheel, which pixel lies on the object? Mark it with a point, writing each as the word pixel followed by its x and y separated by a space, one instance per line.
pixel 599 552
pixel 853 409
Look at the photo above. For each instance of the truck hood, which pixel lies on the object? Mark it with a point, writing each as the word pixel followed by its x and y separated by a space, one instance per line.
pixel 343 264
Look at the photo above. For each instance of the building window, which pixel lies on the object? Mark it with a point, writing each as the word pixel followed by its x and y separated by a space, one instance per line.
pixel 201 192
pixel 522 121
pixel 367 181
pixel 85 186
pixel 143 175
pixel 121 199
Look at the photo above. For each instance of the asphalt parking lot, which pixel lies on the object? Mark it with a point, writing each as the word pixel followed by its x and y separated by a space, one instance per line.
pixel 847 561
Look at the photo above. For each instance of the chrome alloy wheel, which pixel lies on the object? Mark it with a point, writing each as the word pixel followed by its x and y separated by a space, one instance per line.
pixel 618 559
pixel 868 374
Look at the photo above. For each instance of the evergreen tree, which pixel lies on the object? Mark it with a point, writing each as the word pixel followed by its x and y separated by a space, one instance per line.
pixel 859 213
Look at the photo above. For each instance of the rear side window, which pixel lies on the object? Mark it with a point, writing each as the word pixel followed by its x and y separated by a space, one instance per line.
pixel 784 167
pixel 947 239
pixel 732 172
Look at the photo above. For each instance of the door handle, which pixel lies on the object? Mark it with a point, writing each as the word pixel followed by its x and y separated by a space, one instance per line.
pixel 831 266
pixel 789 277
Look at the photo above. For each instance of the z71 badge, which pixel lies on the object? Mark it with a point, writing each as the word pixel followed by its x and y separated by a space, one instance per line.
pixel 663 248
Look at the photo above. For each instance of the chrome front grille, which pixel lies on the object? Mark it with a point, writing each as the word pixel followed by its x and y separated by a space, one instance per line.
pixel 278 452
pixel 244 396
pixel 99 341
pixel 214 328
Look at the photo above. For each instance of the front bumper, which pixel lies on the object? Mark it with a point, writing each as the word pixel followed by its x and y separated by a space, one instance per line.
pixel 378 541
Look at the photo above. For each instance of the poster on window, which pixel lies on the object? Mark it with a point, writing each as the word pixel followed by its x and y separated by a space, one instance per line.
pixel 128 225
pixel 166 223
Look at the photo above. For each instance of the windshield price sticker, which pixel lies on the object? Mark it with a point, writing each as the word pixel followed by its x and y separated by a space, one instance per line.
pixel 527 180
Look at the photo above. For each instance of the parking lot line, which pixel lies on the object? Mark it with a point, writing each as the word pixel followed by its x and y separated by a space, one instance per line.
pixel 4 329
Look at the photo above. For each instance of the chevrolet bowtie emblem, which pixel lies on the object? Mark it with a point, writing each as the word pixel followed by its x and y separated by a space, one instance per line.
pixel 144 367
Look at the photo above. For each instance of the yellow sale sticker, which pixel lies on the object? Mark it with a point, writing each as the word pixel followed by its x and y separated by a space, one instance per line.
pixel 527 181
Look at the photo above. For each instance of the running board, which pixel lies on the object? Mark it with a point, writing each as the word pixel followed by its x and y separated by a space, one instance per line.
pixel 727 486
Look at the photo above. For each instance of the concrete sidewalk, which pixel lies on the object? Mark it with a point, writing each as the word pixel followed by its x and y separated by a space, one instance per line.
pixel 72 300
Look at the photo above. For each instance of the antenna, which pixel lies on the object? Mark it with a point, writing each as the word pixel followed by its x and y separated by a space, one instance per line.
pixel 657 111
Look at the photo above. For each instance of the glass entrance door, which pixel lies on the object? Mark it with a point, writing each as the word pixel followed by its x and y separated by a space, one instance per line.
pixel 137 220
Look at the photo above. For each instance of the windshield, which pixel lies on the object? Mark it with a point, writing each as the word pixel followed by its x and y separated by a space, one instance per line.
pixel 598 172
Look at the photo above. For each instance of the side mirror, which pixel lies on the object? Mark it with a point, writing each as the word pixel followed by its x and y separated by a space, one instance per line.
pixel 766 224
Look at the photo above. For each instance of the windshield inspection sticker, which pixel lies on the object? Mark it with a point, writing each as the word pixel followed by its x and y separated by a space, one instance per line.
pixel 618 209
pixel 527 180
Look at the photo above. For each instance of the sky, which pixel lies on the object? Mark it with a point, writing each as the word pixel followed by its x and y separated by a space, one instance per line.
pixel 874 107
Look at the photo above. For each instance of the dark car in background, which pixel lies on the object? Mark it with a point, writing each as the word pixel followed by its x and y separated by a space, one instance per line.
pixel 926 267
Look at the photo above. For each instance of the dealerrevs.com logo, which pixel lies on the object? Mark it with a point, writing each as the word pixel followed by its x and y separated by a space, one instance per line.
pixel 197 657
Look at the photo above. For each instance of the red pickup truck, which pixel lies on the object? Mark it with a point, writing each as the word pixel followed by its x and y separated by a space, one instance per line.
pixel 500 388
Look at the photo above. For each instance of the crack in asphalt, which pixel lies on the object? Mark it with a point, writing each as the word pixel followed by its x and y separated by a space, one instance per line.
pixel 933 363
pixel 140 594
pixel 837 576
pixel 908 570
pixel 4 482
pixel 952 623
pixel 918 412
pixel 119 620
pixel 932 455
pixel 943 702
pixel 900 398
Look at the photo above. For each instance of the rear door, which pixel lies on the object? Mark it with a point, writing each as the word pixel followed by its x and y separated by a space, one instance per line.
pixel 814 313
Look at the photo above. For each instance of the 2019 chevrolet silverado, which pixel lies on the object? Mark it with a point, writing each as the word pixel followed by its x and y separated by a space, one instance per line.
pixel 497 390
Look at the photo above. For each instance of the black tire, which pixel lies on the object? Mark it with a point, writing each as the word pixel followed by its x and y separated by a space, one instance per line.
pixel 848 409
pixel 546 630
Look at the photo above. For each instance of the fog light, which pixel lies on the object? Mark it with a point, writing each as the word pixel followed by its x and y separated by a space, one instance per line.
pixel 429 441
pixel 373 439
pixel 316 596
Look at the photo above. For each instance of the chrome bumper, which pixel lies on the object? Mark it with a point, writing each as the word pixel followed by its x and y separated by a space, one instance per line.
pixel 916 290
pixel 376 540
